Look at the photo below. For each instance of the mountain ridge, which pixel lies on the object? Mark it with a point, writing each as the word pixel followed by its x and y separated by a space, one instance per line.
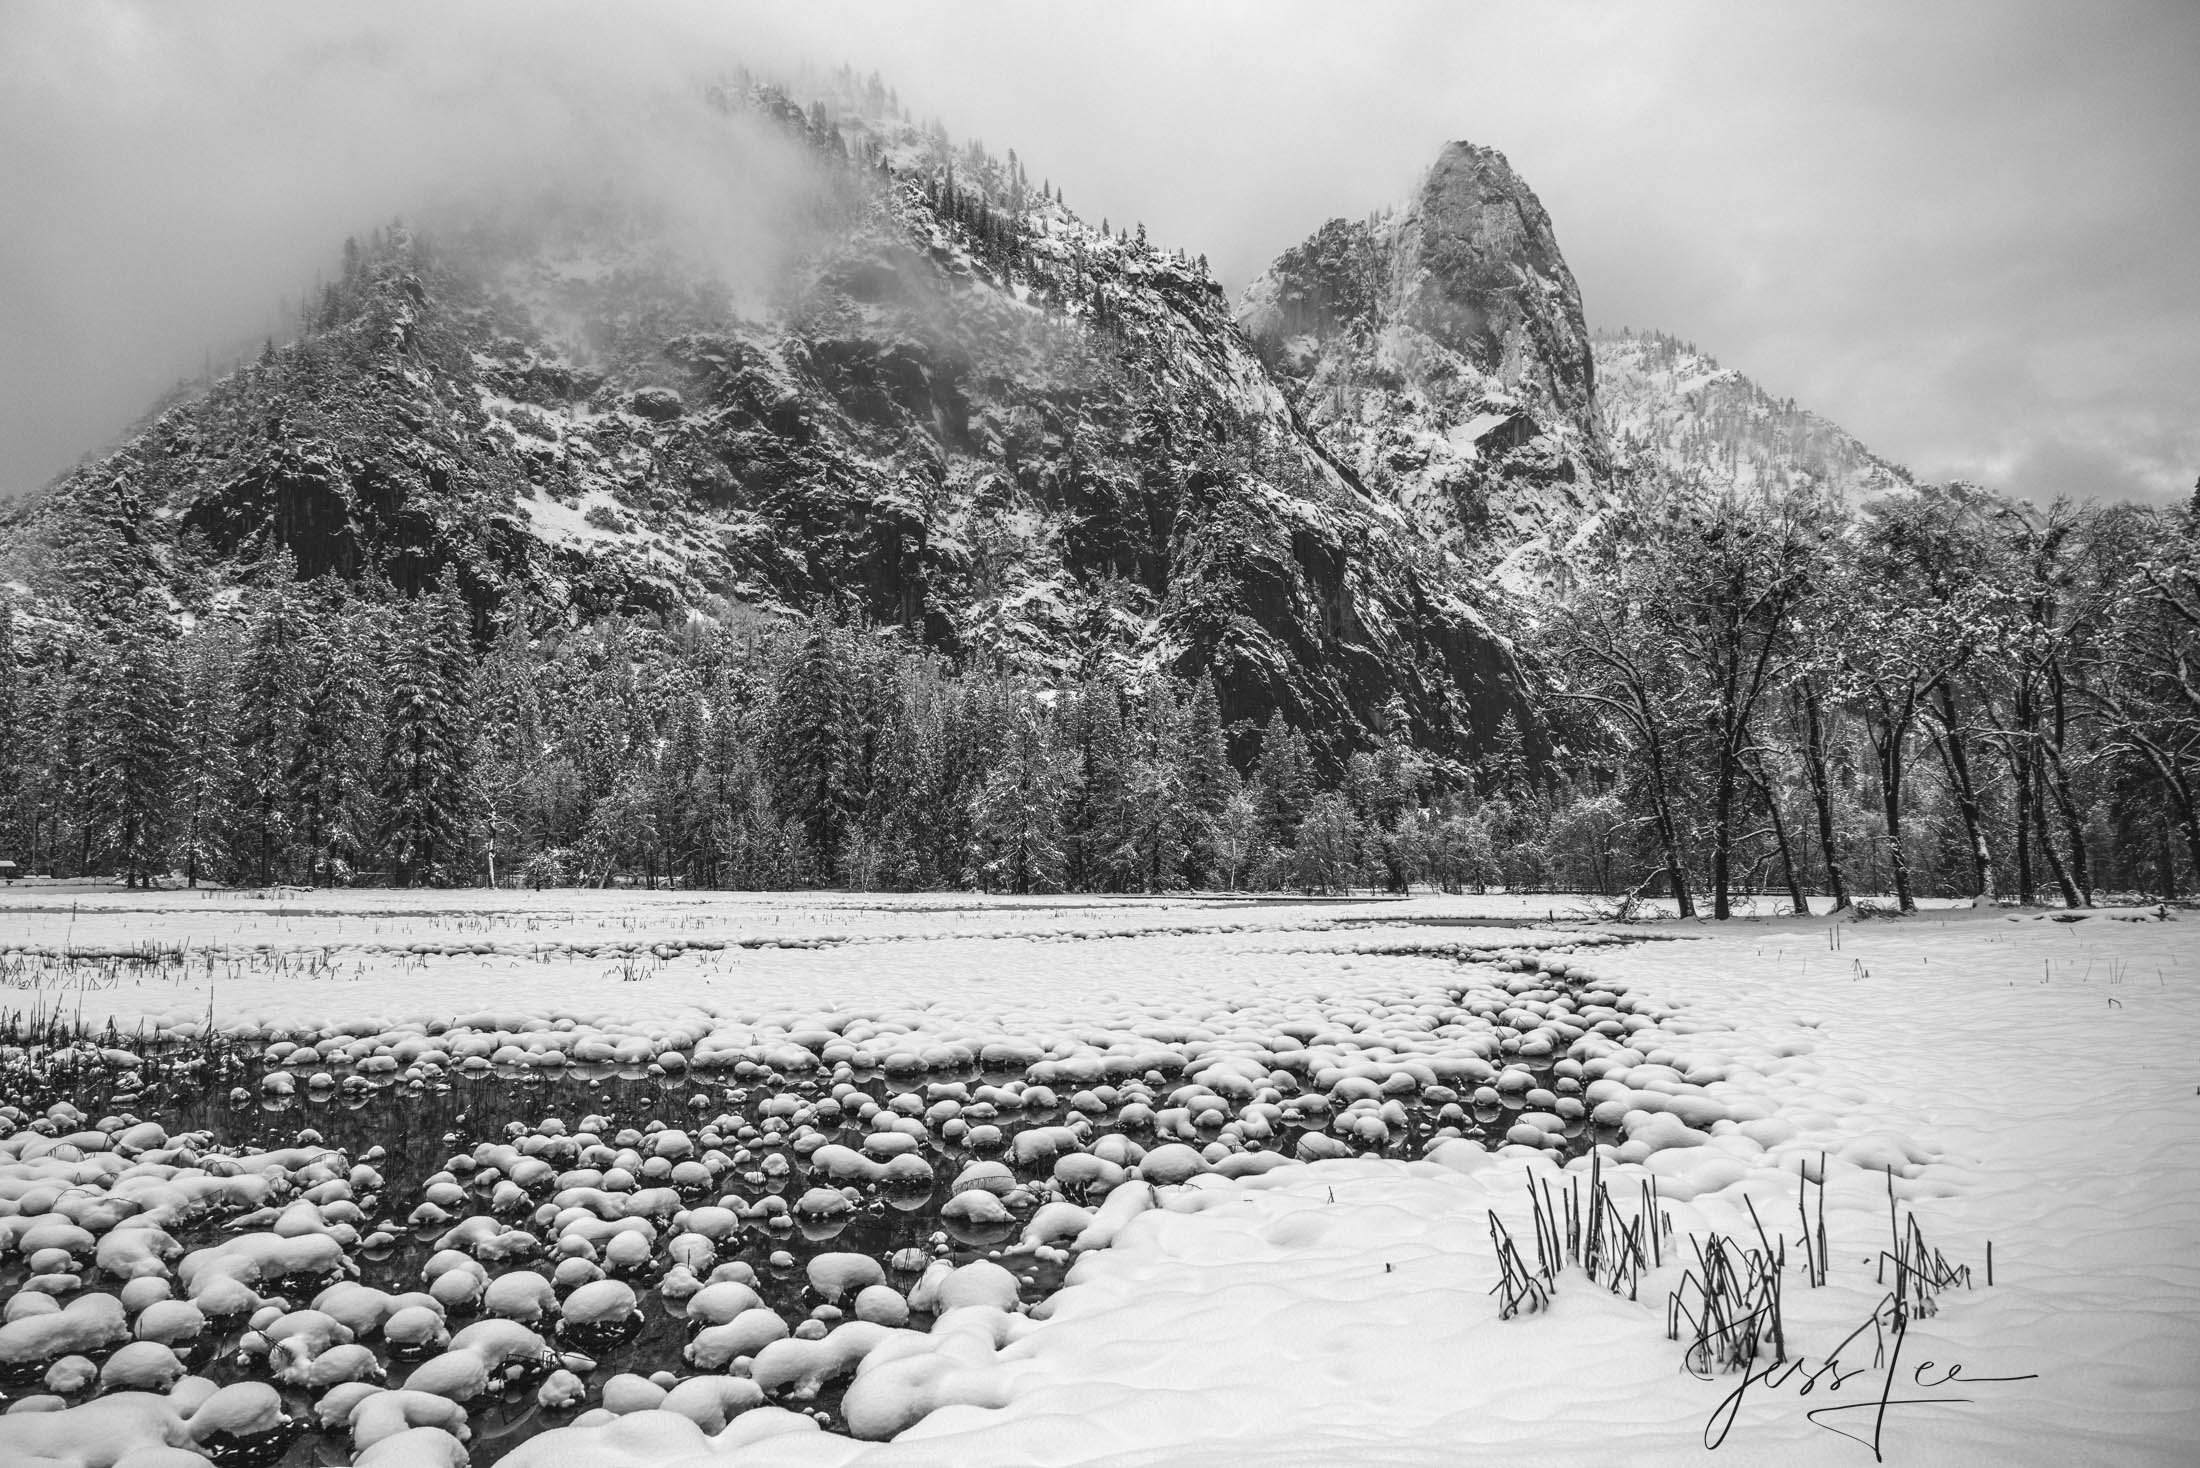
pixel 965 413
pixel 1441 351
pixel 1671 409
pixel 962 411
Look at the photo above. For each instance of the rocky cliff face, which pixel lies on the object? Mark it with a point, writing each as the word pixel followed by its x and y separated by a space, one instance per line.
pixel 1671 411
pixel 1440 356
pixel 964 412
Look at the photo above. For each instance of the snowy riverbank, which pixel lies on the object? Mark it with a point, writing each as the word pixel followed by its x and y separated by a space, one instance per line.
pixel 2030 1083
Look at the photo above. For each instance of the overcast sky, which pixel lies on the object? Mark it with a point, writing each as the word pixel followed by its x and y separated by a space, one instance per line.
pixel 1970 233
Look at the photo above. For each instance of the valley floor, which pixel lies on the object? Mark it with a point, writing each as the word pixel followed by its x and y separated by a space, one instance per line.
pixel 2027 1083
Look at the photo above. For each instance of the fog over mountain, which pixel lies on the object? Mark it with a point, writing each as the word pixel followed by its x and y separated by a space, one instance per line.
pixel 1961 232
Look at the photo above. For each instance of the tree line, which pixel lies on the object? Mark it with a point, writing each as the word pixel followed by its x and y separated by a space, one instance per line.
pixel 320 732
pixel 1946 694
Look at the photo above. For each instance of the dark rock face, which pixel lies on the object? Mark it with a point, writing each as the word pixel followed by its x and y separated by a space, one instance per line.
pixel 1056 452
pixel 1483 277
pixel 1441 355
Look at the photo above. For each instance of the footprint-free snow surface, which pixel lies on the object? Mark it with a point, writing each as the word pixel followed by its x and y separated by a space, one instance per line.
pixel 658 1179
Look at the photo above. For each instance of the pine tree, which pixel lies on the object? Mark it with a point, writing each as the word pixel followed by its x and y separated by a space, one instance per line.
pixel 815 745
pixel 1284 780
pixel 206 755
pixel 1016 815
pixel 728 767
pixel 70 776
pixel 1505 767
pixel 1157 828
pixel 270 694
pixel 675 797
pixel 1100 827
pixel 134 746
pixel 1209 780
pixel 1159 822
pixel 15 743
pixel 509 748
pixel 329 775
pixel 427 742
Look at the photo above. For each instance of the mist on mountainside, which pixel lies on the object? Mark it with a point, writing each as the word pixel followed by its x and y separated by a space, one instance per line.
pixel 512 119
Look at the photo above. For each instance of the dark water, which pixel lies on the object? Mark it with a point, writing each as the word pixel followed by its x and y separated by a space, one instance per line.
pixel 419 1128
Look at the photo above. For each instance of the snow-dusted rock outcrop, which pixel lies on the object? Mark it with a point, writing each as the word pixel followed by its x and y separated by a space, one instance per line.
pixel 1441 354
pixel 1671 411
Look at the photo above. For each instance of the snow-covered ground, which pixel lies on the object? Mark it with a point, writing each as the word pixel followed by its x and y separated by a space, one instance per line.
pixel 2030 1083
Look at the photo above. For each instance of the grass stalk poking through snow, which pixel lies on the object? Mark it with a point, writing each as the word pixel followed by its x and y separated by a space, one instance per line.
pixel 1517 1285
pixel 1921 1272
pixel 1731 1304
pixel 1584 1229
pixel 1815 1260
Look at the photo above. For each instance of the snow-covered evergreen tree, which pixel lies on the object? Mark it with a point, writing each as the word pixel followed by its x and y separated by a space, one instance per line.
pixel 269 713
pixel 816 744
pixel 1101 855
pixel 1017 813
pixel 1284 780
pixel 427 743
pixel 15 752
pixel 1209 780
pixel 1158 819
pixel 330 774
pixel 134 746
pixel 206 752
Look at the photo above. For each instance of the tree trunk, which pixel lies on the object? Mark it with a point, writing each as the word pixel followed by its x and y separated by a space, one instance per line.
pixel 2047 843
pixel 1668 834
pixel 2057 782
pixel 1732 721
pixel 1722 839
pixel 1814 760
pixel 1887 743
pixel 1954 754
pixel 2081 867
pixel 2027 885
pixel 1765 792
pixel 2016 748
pixel 2165 857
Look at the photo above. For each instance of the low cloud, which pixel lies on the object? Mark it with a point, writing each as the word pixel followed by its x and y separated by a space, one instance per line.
pixel 1964 231
pixel 177 176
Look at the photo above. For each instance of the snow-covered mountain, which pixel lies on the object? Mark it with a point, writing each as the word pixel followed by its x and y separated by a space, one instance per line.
pixel 957 408
pixel 962 410
pixel 1439 352
pixel 1669 409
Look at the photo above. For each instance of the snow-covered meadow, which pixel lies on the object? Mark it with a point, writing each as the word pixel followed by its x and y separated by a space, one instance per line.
pixel 2024 1082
